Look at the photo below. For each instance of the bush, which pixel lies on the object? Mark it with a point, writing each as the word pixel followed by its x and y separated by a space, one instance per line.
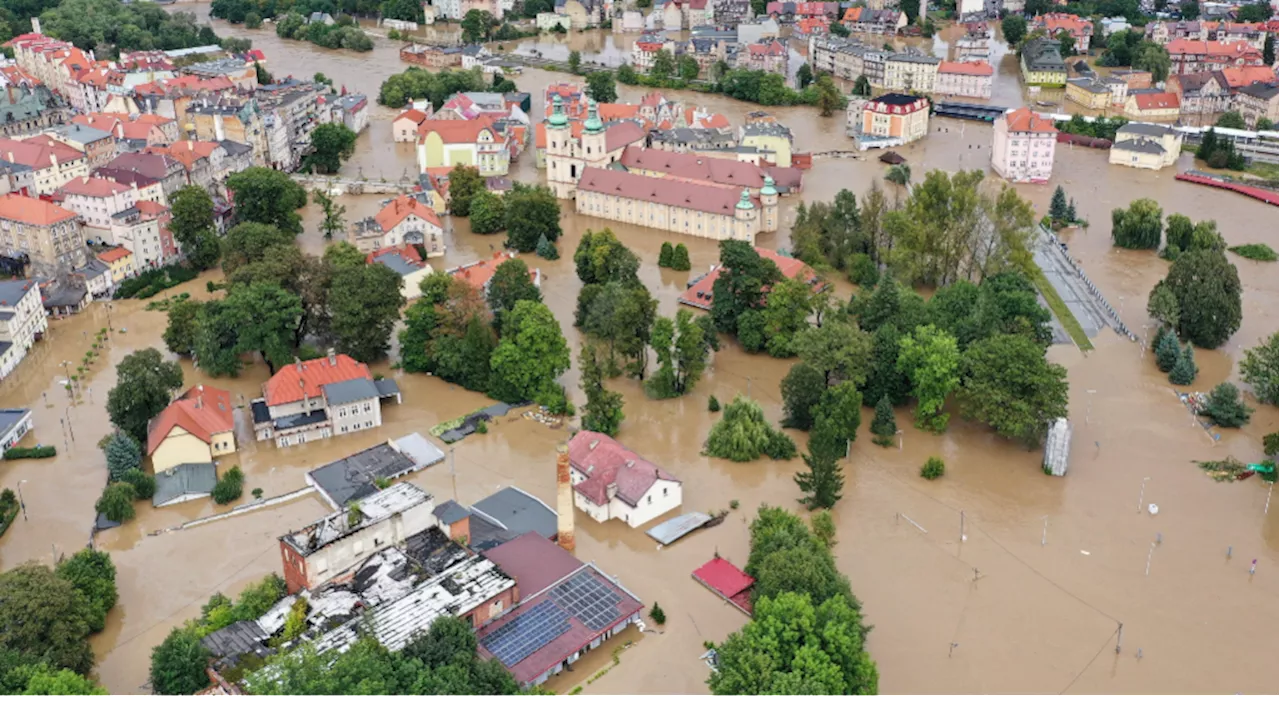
pixel 229 488
pixel 30 452
pixel 1184 371
pixel 657 615
pixel 863 271
pixel 482 427
pixel 733 504
pixel 116 502
pixel 1256 251
pixel 664 255
pixel 680 258
pixel 546 249
pixel 144 485
pixel 743 434
pixel 1225 407
pixel 713 404
pixel 933 468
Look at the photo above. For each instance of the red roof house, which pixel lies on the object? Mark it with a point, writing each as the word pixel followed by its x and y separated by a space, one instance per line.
pixel 699 294
pixel 204 413
pixel 300 380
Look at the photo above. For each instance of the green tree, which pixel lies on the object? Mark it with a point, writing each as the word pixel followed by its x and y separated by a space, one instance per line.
pixel 1138 226
pixel 664 66
pixel 575 61
pixel 229 487
pixel 144 385
pixel 1154 59
pixel 828 98
pixel 1205 236
pixel 123 454
pixel 530 356
pixel 1189 10
pixel 822 482
pixel 804 76
pixel 248 242
pixel 1208 289
pixel 1014 28
pixel 837 348
pixel 332 143
pixel 862 86
pixel 601 86
pixel 1268 58
pixel 1010 386
pixel 680 258
pixel 178 664
pixel 603 410
pixel 841 408
pixel 268 317
pixel 364 304
pixel 179 333
pixel 627 75
pixel 1231 119
pixel 488 213
pixel 602 258
pixel 191 223
pixel 1167 352
pixel 44 618
pixel 801 389
pixel 1162 304
pixel 682 347
pixel 1259 369
pixel 824 527
pixel 1058 205
pixel 475 27
pixel 1184 370
pixel 93 574
pixel 509 285
pixel 884 379
pixel 268 197
pixel 664 255
pixel 532 213
pixel 116 502
pixel 884 426
pixel 64 682
pixel 929 357
pixel 465 183
pixel 742 434
pixel 1226 408
pixel 144 485
pixel 785 315
pixel 547 249
pixel 688 68
pixel 622 316
pixel 1177 233
pixel 332 223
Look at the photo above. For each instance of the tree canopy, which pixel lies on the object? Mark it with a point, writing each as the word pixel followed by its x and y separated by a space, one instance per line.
pixel 530 356
pixel 45 618
pixel 1207 288
pixel 268 197
pixel 144 385
pixel 1008 384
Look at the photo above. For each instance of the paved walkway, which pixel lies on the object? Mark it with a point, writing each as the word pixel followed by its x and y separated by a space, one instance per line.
pixel 1080 295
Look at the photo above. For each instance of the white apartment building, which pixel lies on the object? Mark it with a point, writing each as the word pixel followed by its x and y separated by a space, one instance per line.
pixel 1023 146
pixel 22 318
pixel 96 200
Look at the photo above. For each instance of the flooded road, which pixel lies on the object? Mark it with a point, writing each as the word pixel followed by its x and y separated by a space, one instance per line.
pixel 1037 619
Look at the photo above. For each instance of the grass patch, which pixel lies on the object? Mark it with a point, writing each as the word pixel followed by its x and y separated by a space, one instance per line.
pixel 1256 251
pixel 443 427
pixel 1060 309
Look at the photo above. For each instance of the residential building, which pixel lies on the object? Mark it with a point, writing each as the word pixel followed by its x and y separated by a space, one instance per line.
pixel 866 21
pixel 196 428
pixel 478 274
pixel 976 43
pixel 1042 63
pixel 478 142
pixel 434 57
pixel 99 147
pixel 1258 102
pixel 27 109
pixel 96 200
pixel 327 550
pixel 848 59
pixel 769 56
pixel 402 221
pixel 1080 29
pixel 1153 107
pixel 318 399
pixel 706 52
pixel 351 110
pixel 700 291
pixel 95 278
pixel 612 482
pixel 1187 56
pixel 644 50
pixel 205 162
pixel 1237 78
pixel 1146 146
pixel 1023 146
pixel 53 163
pixel 479 527
pixel 14 423
pixel 1089 93
pixel 672 204
pixel 551 582
pixel 596 146
pixel 22 317
pixel 155 176
pixel 888 120
pixel 581 14
pixel 406 126
pixel 291 113
pixel 120 261
pixel 42 232
pixel 772 139
pixel 143 230
pixel 404 261
pixel 230 120
pixel 731 13
pixel 17 177
pixel 1201 95
pixel 964 79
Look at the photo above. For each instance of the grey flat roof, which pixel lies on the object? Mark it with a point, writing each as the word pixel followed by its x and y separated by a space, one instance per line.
pixel 352 390
pixel 397 263
pixel 10 417
pixel 507 514
pixel 12 291
pixel 351 478
pixel 298 420
pixel 184 479
pixel 451 512
pixel 82 133
pixel 235 640
pixel 386 387
pixel 673 529
pixel 1138 145
pixel 1145 128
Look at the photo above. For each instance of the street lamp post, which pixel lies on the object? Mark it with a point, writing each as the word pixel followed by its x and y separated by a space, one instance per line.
pixel 21 502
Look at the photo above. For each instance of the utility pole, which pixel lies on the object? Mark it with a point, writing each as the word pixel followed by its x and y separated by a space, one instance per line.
pixel 962 537
pixel 453 475
pixel 22 502
pixel 1119 636
pixel 1044 536
pixel 1142 493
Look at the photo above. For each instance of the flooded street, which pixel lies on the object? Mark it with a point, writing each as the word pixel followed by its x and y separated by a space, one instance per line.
pixel 1037 619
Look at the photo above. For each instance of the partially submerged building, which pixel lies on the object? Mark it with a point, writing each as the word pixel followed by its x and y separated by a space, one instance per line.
pixel 613 482
pixel 193 429
pixel 318 399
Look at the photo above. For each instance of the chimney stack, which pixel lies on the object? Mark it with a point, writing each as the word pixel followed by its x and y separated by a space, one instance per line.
pixel 333 358
pixel 564 500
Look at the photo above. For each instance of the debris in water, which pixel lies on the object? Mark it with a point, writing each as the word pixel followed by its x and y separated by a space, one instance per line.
pixel 1226 470
pixel 1153 509
pixel 1084 552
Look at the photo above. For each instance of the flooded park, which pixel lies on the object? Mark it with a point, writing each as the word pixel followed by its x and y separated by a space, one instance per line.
pixel 1030 600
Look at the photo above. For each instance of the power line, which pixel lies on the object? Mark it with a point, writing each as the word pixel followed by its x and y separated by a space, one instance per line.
pixel 1105 644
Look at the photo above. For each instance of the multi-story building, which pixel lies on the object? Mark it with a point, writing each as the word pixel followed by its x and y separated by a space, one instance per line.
pixel 402 221
pixel 196 428
pixel 772 140
pixel 1145 146
pixel 231 119
pixel 613 482
pixel 710 169
pixel 53 163
pixel 205 162
pixel 1258 102
pixel 143 230
pixel 478 143
pixel 29 108
pixel 1153 106
pixel 768 55
pixel 292 109
pixel 581 14
pixel 406 125
pixel 96 200
pixel 847 59
pixel 596 146
pixel 964 79
pixel 319 398
pixel 99 147
pixel 866 21
pixel 433 57
pixel 156 177
pixel 729 13
pixel 889 120
pixel 1188 56
pixel 911 72
pixel 975 44
pixel 1080 29
pixel 706 52
pixel 173 97
pixel 1201 95
pixel 22 316
pixel 644 50
pixel 405 261
pixel 17 177
pixel 47 235
pixel 120 262
pixel 1042 63
pixel 1089 93
pixel 1023 146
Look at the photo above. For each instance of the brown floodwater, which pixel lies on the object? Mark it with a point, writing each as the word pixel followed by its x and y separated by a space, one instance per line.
pixel 1038 618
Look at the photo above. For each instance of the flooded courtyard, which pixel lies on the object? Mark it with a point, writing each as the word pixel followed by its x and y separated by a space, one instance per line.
pixel 1000 612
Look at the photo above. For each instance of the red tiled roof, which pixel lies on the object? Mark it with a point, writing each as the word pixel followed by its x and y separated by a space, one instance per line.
pixel 1055 22
pixel 672 192
pixel 114 254
pixel 406 252
pixel 610 111
pixel 394 212
pixel 203 411
pixel 622 134
pixel 417 117
pixel 456 132
pixel 972 67
pixel 534 561
pixel 720 170
pixel 478 274
pixel 606 462
pixel 1234 49
pixel 1245 76
pixel 20 208
pixel 728 581
pixel 772 47
pixel 147 207
pixel 699 295
pixel 36 151
pixel 94 187
pixel 186 152
pixel 1156 101
pixel 1025 120
pixel 300 380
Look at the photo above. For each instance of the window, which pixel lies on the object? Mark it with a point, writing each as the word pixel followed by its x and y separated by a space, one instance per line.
pixel 649 499
pixel 664 491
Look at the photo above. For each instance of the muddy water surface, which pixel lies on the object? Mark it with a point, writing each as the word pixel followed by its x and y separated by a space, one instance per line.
pixel 1037 618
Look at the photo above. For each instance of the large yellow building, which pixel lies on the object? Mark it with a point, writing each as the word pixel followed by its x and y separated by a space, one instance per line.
pixel 1088 93
pixel 1042 63
pixel 477 143
pixel 193 430
pixel 1146 146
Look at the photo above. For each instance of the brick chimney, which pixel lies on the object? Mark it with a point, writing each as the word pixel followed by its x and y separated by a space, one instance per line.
pixel 564 500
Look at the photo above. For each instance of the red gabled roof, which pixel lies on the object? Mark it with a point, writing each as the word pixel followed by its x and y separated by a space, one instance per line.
pixel 36 151
pixel 670 191
pixel 532 563
pixel 300 380
pixel 394 212
pixel 202 411
pixel 478 274
pixel 699 295
pixel 457 132
pixel 406 252
pixel 726 580
pixel 30 211
pixel 113 254
pixel 606 462
pixel 1156 101
pixel 93 187
pixel 972 67
pixel 1024 119
pixel 417 117
pixel 1237 77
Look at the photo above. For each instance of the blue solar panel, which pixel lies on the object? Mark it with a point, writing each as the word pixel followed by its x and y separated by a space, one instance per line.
pixel 587 598
pixel 527 633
